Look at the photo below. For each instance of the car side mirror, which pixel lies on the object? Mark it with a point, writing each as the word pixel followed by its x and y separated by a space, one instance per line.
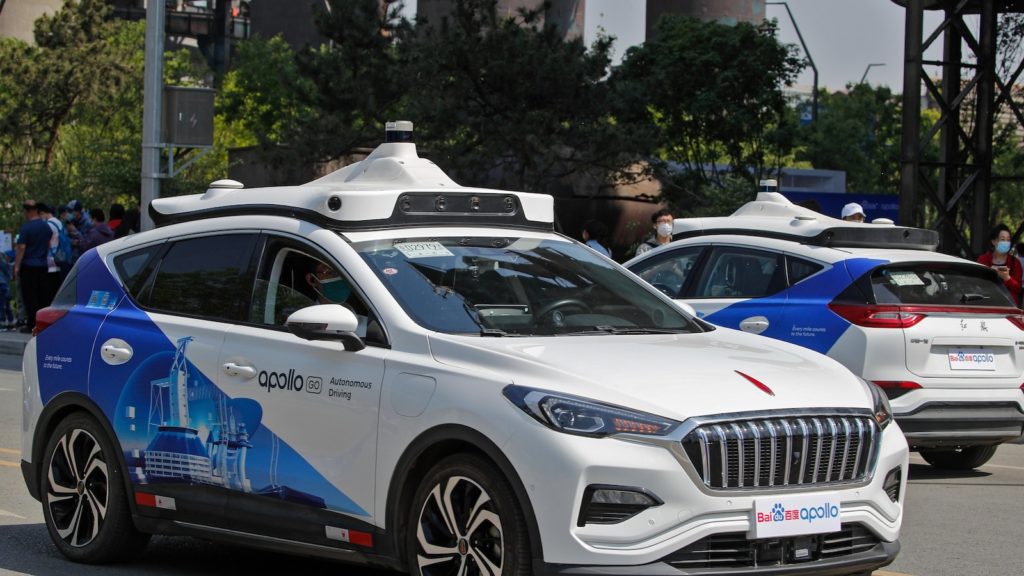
pixel 326 322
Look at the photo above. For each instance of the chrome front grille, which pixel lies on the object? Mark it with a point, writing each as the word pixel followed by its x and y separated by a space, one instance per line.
pixel 777 452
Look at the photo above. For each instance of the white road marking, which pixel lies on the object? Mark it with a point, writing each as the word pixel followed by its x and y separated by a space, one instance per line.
pixel 11 514
pixel 6 389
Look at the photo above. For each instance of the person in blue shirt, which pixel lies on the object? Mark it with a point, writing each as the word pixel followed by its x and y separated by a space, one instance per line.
pixel 595 235
pixel 31 264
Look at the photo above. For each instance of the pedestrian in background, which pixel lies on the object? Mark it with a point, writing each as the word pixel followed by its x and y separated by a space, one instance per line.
pixel 30 263
pixel 129 224
pixel 116 215
pixel 78 216
pixel 595 235
pixel 6 314
pixel 853 212
pixel 1003 262
pixel 99 233
pixel 661 221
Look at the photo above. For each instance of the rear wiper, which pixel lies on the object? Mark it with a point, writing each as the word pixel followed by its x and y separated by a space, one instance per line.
pixel 971 297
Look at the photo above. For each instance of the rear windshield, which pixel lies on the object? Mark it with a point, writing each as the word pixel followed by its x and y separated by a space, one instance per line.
pixel 938 284
pixel 509 286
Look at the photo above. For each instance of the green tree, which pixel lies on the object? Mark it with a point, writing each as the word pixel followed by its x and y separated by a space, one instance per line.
pixel 714 92
pixel 859 132
pixel 508 101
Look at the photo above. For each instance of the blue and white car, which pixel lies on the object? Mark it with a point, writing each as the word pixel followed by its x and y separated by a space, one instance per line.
pixel 386 368
pixel 939 334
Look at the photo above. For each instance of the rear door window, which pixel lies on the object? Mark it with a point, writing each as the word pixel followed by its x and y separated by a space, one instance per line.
pixel 733 272
pixel 938 284
pixel 207 277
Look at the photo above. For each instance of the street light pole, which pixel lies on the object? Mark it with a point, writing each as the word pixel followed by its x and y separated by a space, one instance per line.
pixel 153 83
pixel 810 60
pixel 869 67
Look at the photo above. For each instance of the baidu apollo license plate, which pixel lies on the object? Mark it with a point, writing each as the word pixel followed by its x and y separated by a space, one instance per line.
pixel 971 359
pixel 795 515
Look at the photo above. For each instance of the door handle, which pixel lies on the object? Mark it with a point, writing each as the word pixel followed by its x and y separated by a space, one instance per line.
pixel 116 351
pixel 754 324
pixel 232 369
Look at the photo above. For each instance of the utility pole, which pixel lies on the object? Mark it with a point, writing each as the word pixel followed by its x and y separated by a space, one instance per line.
pixel 152 108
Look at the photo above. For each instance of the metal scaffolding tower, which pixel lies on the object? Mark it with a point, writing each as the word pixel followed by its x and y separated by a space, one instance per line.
pixel 951 194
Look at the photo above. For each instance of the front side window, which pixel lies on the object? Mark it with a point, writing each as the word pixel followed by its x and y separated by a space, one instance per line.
pixel 207 277
pixel 508 286
pixel 293 276
pixel 669 272
pixel 741 273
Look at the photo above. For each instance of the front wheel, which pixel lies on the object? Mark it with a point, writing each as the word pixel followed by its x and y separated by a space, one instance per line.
pixel 84 503
pixel 465 521
pixel 967 458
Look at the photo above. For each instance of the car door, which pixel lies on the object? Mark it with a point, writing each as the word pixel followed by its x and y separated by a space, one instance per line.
pixel 742 288
pixel 305 458
pixel 156 355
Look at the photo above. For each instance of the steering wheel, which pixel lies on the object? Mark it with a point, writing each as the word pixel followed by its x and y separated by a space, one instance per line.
pixel 562 303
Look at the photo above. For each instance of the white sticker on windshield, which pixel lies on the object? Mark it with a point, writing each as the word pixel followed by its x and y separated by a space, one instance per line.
pixel 422 249
pixel 905 279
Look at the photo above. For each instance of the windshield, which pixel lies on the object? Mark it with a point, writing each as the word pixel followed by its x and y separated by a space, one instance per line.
pixel 508 286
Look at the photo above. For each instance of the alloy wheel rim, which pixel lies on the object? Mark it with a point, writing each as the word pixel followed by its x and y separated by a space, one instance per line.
pixel 77 488
pixel 459 532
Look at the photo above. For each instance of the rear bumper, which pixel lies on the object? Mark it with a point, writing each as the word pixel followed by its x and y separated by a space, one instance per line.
pixel 946 424
pixel 881 555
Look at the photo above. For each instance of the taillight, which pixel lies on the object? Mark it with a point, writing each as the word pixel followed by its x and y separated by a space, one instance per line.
pixel 1017 320
pixel 46 318
pixel 895 389
pixel 875 316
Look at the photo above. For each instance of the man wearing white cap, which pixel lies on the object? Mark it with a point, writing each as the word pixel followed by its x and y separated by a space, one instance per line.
pixel 852 212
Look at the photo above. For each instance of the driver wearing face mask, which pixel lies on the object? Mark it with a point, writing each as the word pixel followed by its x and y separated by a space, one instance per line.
pixel 661 221
pixel 1003 262
pixel 331 288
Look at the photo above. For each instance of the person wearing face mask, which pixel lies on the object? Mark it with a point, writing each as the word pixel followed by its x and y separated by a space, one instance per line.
pixel 661 221
pixel 1003 262
pixel 331 288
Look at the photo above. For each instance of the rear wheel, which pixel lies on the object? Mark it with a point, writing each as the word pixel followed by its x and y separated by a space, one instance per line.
pixel 465 521
pixel 84 501
pixel 967 458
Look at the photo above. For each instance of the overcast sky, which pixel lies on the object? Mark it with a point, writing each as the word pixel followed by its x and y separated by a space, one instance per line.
pixel 842 36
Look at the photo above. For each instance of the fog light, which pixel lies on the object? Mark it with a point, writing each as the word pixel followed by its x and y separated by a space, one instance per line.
pixel 613 504
pixel 892 483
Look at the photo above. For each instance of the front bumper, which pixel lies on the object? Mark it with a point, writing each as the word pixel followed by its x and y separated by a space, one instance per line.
pixel 556 470
pixel 882 554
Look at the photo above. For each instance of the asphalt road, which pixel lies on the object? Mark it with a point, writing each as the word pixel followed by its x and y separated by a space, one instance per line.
pixel 955 524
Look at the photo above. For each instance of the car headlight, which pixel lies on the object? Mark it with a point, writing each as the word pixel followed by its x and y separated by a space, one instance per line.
pixel 575 415
pixel 879 405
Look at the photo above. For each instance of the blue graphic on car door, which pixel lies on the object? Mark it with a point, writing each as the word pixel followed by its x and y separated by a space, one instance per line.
pixel 174 424
pixel 807 320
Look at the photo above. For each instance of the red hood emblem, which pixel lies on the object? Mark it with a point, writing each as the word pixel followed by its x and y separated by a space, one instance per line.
pixel 764 387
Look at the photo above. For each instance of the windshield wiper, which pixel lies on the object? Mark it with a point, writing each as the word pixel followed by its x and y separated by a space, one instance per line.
pixel 605 329
pixel 493 332
pixel 971 297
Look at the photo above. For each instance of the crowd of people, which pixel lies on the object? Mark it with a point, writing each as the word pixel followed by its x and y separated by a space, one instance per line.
pixel 45 247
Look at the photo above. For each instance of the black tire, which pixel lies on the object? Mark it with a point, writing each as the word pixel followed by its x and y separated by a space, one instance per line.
pixel 82 489
pixel 967 458
pixel 489 537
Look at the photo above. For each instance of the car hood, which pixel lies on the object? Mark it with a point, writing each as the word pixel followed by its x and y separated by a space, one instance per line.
pixel 675 375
